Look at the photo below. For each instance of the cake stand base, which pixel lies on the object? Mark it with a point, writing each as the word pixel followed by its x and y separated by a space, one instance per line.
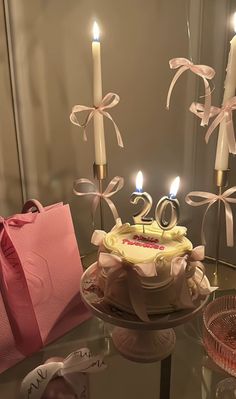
pixel 142 345
pixel 137 340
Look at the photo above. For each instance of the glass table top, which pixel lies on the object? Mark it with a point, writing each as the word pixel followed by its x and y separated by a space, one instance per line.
pixel 193 375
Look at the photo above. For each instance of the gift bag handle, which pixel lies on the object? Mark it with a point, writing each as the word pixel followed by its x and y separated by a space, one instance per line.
pixel 32 204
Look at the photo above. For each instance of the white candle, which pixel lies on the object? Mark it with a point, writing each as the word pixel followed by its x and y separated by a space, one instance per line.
pixel 222 151
pixel 99 139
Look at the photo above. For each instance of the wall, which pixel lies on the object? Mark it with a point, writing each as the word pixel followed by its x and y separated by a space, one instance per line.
pixel 51 56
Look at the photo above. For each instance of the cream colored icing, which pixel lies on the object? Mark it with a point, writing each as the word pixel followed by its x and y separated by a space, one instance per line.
pixel 152 245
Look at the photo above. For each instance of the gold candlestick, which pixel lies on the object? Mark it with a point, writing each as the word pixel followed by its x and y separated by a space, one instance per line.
pixel 221 180
pixel 100 173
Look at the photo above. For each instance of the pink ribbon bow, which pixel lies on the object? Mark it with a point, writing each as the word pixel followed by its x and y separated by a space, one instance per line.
pixel 109 101
pixel 110 190
pixel 119 267
pixel 180 272
pixel 210 199
pixel 225 112
pixel 15 290
pixel 204 71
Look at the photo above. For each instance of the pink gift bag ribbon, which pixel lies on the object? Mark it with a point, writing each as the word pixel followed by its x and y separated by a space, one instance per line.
pixel 210 199
pixel 223 113
pixel 72 369
pixel 15 290
pixel 109 101
pixel 204 71
pixel 113 187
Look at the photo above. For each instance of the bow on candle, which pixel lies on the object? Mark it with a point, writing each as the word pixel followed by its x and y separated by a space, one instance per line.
pixel 190 267
pixel 122 267
pixel 225 112
pixel 210 199
pixel 110 190
pixel 204 71
pixel 71 369
pixel 109 101
pixel 14 288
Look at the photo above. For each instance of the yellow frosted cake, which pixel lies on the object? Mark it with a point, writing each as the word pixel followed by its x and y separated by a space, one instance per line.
pixel 146 271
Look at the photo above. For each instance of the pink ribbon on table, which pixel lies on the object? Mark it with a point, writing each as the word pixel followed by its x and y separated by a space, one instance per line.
pixel 225 112
pixel 210 199
pixel 119 267
pixel 204 71
pixel 109 101
pixel 14 288
pixel 117 182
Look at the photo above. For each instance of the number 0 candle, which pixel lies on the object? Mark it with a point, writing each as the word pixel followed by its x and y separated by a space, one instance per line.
pixel 99 139
pixel 165 202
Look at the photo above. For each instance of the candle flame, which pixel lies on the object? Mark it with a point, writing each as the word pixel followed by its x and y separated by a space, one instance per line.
pixel 96 31
pixel 174 187
pixel 139 181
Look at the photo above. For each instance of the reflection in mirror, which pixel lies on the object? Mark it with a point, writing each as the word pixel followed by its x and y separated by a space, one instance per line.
pixel 51 68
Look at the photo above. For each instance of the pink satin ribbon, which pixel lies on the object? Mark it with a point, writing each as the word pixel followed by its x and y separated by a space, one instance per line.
pixel 210 199
pixel 204 71
pixel 180 273
pixel 121 266
pixel 117 182
pixel 14 288
pixel 225 112
pixel 109 101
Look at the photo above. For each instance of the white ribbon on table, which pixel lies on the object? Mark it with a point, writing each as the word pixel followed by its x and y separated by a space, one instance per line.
pixel 80 361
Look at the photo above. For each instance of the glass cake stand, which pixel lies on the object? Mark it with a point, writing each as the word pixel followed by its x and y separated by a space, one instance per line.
pixel 135 339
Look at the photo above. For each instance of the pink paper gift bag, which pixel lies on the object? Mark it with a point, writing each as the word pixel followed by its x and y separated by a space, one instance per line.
pixel 40 272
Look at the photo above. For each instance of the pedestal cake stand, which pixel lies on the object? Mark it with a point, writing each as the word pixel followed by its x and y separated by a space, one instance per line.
pixel 135 339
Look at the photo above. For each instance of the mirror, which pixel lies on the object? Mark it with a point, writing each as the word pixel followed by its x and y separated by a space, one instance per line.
pixel 46 68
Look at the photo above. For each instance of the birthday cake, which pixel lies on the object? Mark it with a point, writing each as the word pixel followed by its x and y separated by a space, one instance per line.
pixel 144 270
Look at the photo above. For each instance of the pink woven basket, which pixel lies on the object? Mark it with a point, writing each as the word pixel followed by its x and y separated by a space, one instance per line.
pixel 219 332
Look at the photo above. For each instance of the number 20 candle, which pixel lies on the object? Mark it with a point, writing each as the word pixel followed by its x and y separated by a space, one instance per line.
pixel 139 218
pixel 165 202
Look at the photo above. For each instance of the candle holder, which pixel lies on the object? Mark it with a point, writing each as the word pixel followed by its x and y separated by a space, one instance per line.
pixel 221 180
pixel 100 173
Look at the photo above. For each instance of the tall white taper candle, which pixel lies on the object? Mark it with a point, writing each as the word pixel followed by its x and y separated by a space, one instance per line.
pixel 222 151
pixel 99 139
